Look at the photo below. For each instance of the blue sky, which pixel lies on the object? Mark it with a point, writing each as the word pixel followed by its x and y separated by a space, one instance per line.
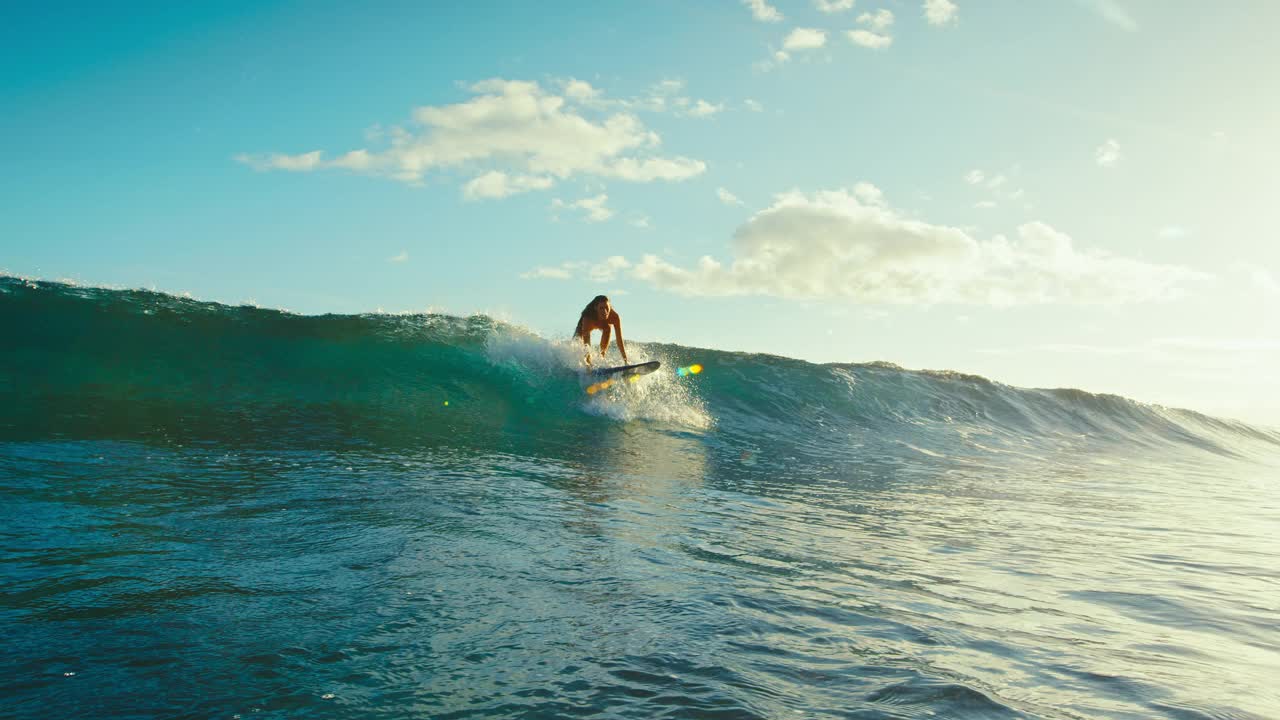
pixel 1049 194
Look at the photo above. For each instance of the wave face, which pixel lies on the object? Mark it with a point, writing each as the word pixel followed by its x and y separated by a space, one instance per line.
pixel 92 362
pixel 217 511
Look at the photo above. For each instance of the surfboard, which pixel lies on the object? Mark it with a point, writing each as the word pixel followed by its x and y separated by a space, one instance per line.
pixel 627 370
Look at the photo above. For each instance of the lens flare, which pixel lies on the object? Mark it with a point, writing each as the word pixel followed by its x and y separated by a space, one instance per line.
pixel 693 369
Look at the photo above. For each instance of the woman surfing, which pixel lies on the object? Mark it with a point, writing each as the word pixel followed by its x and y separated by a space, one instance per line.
pixel 600 315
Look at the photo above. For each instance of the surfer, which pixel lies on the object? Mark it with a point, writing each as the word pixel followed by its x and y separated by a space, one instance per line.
pixel 600 315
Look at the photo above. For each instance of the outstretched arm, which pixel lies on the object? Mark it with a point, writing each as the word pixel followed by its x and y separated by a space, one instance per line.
pixel 622 347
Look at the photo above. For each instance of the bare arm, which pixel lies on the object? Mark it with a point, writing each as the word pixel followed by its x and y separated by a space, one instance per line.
pixel 622 347
pixel 585 337
pixel 605 333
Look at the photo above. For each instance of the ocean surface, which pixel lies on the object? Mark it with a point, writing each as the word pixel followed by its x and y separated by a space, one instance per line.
pixel 231 512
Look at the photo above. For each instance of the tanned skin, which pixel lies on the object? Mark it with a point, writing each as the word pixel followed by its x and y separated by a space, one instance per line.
pixel 600 315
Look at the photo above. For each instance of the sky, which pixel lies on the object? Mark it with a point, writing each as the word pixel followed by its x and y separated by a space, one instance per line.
pixel 1078 193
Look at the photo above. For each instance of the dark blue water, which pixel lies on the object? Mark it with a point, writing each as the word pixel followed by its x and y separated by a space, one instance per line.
pixel 214 511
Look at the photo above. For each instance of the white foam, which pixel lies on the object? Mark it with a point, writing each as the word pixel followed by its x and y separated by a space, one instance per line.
pixel 660 396
pixel 515 347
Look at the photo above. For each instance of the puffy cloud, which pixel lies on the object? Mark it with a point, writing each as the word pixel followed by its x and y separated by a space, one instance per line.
pixel 1108 154
pixel 851 244
pixel 608 269
pixel 495 184
pixel 593 208
pixel 939 12
pixel 650 169
pixel 702 108
pixel 833 6
pixel 868 193
pixel 763 11
pixel 877 37
pixel 868 39
pixel 513 136
pixel 580 90
pixel 878 21
pixel 805 39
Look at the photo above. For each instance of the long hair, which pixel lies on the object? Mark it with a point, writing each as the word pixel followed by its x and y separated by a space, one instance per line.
pixel 577 332
pixel 594 302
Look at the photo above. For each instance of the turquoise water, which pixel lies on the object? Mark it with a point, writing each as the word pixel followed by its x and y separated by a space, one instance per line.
pixel 217 511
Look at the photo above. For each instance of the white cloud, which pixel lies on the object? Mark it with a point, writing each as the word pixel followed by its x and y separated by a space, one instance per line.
pixel 495 184
pixel 604 271
pixel 843 244
pixel 868 39
pixel 879 21
pixel 877 37
pixel 650 169
pixel 939 12
pixel 833 6
pixel 727 197
pixel 753 105
pixel 514 136
pixel 702 108
pixel 593 208
pixel 763 11
pixel 805 39
pixel 664 96
pixel 580 90
pixel 1108 154
pixel 996 184
pixel 275 161
pixel 402 257
pixel 608 270
pixel 1113 12
pixel 869 194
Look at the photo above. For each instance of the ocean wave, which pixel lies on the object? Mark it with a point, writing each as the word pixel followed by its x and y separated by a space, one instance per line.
pixel 96 362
